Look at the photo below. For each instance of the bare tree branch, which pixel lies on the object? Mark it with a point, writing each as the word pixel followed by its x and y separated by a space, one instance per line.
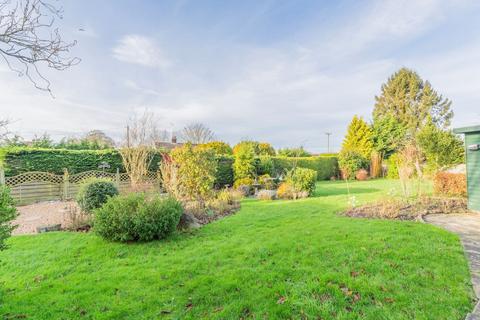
pixel 137 149
pixel 28 40
pixel 197 133
pixel 4 132
pixel 142 131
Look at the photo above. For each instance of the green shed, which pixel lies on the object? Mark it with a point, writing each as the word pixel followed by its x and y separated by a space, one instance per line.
pixel 472 146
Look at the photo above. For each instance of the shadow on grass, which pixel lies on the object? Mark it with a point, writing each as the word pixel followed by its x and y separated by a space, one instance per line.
pixel 324 190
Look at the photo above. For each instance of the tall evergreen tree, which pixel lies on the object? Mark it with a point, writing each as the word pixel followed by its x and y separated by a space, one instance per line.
pixel 388 135
pixel 359 138
pixel 412 101
pixel 442 148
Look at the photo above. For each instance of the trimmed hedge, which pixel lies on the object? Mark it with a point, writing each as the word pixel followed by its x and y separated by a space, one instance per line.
pixel 326 167
pixel 224 173
pixel 20 160
pixel 24 159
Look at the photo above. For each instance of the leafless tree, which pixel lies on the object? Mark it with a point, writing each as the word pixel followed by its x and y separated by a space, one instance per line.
pixel 137 151
pixel 4 132
pixel 29 39
pixel 197 133
pixel 162 135
pixel 142 130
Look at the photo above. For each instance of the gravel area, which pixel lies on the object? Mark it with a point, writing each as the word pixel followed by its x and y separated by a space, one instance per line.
pixel 42 214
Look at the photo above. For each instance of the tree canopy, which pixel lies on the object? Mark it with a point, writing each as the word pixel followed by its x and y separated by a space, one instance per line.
pixel 197 133
pixel 442 148
pixel 359 138
pixel 259 148
pixel 294 152
pixel 388 135
pixel 412 101
pixel 218 147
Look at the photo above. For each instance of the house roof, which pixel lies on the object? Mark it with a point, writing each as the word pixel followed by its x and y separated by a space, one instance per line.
pixel 468 129
pixel 167 145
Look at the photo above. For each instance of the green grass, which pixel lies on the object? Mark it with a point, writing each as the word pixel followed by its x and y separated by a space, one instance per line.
pixel 272 260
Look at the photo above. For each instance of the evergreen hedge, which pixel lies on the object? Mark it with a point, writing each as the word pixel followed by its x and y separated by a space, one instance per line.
pixel 224 174
pixel 326 167
pixel 24 159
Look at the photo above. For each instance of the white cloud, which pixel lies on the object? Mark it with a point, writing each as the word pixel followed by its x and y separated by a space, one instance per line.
pixel 387 24
pixel 288 94
pixel 141 50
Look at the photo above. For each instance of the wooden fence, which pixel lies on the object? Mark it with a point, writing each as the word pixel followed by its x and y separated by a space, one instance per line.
pixel 31 187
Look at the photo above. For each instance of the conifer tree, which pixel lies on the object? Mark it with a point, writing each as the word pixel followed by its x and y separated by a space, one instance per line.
pixel 388 135
pixel 359 138
pixel 414 104
pixel 412 101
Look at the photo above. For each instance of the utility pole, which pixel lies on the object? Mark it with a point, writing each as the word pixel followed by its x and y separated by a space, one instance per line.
pixel 328 141
pixel 128 136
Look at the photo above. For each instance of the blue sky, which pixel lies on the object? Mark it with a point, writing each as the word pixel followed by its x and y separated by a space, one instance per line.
pixel 279 71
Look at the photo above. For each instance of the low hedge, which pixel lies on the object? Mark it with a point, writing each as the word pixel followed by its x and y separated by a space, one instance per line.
pixel 326 167
pixel 452 184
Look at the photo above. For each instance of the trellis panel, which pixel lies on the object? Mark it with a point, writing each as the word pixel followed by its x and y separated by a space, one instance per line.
pixel 37 186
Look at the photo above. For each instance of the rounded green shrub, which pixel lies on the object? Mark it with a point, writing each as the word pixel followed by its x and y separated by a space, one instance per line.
pixel 93 193
pixel 350 162
pixel 136 217
pixel 302 179
pixel 264 165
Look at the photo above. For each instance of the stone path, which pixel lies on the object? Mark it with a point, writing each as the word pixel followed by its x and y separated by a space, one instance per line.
pixel 467 226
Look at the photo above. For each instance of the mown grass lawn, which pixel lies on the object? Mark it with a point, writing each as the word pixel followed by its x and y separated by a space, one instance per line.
pixel 272 260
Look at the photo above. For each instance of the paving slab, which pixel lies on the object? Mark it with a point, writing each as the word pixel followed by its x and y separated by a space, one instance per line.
pixel 467 226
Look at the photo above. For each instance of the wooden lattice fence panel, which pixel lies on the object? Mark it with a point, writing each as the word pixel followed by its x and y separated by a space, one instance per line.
pixel 34 176
pixel 36 186
pixel 80 177
pixel 31 192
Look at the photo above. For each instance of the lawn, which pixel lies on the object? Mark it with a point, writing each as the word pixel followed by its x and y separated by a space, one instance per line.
pixel 272 260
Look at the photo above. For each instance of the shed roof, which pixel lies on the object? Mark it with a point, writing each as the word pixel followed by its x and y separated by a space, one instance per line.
pixel 468 129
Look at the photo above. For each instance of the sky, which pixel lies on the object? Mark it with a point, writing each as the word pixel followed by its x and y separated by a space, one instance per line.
pixel 285 72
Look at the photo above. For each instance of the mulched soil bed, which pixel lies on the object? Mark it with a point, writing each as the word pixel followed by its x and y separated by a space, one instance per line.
pixel 409 210
pixel 206 218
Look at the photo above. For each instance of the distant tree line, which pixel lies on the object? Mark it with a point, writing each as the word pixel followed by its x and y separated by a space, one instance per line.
pixel 93 140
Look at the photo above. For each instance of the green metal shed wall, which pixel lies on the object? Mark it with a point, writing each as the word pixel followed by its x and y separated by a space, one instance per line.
pixel 473 171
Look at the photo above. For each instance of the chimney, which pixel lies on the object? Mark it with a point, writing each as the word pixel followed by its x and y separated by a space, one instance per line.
pixel 174 139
